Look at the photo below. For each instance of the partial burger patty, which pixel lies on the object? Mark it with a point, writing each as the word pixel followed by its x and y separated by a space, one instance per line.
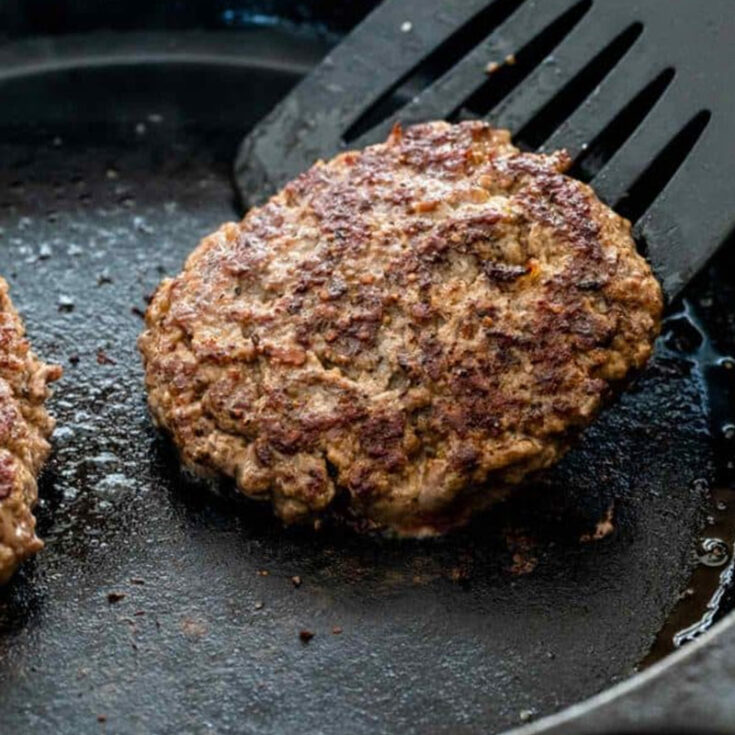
pixel 413 328
pixel 24 429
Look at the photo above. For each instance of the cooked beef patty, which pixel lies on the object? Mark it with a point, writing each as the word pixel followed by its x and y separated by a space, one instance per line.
pixel 413 328
pixel 24 428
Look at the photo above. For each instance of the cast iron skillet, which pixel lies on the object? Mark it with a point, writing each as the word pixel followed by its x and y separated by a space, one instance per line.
pixel 159 607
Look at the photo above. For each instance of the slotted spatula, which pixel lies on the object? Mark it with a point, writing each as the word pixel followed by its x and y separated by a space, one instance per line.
pixel 640 92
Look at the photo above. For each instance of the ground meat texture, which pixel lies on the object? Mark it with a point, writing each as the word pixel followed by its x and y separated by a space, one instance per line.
pixel 415 328
pixel 24 429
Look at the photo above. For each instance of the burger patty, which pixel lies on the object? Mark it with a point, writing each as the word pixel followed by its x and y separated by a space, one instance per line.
pixel 413 328
pixel 24 429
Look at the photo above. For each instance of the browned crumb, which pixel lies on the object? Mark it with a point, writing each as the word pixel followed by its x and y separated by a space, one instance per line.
pixel 306 635
pixel 113 597
pixel 523 551
pixel 193 628
pixel 104 359
pixel 604 527
pixel 459 574
pixel 523 564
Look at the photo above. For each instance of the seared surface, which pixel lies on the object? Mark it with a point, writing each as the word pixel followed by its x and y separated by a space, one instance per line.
pixel 422 324
pixel 24 428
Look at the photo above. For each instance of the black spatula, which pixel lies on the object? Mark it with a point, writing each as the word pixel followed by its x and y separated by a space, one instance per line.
pixel 641 93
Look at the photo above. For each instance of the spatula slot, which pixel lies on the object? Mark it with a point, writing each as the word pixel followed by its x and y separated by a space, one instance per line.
pixel 508 76
pixel 611 138
pixel 661 169
pixel 563 104
pixel 443 58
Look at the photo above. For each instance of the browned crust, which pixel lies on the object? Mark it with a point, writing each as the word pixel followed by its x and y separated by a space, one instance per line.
pixel 24 429
pixel 422 324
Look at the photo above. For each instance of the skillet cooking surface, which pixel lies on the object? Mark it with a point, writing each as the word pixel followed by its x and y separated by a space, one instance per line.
pixel 112 183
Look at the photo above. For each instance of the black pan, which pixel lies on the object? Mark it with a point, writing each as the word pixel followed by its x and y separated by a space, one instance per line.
pixel 160 607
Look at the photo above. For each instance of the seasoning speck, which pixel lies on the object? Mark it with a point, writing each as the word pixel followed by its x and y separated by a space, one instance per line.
pixel 296 580
pixel 114 597
pixel 510 59
pixel 262 572
pixel 101 718
pixel 492 66
pixel 141 225
pixel 305 636
pixel 258 605
pixel 336 630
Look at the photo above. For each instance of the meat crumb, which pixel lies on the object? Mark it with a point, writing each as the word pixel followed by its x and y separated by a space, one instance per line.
pixel 523 552
pixel 306 636
pixel 101 718
pixel 336 630
pixel 104 359
pixel 263 572
pixel 193 628
pixel 113 597
pixel 604 527
pixel 258 605
pixel 461 575
pixel 296 580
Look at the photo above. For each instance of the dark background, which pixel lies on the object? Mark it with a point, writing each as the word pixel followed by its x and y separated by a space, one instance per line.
pixel 21 17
